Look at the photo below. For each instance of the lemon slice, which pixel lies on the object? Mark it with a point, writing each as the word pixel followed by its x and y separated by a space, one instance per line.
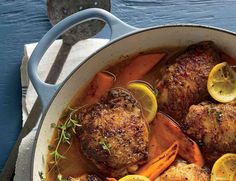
pixel 146 97
pixel 134 178
pixel 224 168
pixel 221 83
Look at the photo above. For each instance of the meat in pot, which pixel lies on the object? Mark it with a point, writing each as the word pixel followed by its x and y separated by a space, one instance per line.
pixel 185 81
pixel 214 127
pixel 182 172
pixel 114 134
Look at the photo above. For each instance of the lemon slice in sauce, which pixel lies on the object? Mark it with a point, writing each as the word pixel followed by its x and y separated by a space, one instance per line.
pixel 134 178
pixel 144 94
pixel 221 83
pixel 224 168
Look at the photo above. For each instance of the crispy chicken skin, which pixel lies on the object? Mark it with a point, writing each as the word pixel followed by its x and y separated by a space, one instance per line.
pixel 184 82
pixel 114 134
pixel 182 172
pixel 213 126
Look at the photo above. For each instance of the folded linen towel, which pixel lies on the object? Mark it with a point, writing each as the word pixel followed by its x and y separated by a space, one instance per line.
pixel 78 53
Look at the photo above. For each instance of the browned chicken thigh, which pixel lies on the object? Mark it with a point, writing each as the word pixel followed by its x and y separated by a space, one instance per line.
pixel 114 134
pixel 182 172
pixel 185 81
pixel 213 126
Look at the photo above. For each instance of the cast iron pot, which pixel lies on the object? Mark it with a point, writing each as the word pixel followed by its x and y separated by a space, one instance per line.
pixel 125 40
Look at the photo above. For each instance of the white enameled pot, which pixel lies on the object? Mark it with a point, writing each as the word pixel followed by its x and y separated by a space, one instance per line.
pixel 125 41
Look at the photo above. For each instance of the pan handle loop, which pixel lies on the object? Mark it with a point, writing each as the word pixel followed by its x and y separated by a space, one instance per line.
pixel 47 91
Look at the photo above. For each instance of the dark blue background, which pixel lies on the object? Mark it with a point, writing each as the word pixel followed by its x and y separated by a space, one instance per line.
pixel 25 21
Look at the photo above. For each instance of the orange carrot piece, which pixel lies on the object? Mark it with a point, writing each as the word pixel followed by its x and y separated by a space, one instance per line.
pixel 111 179
pixel 159 164
pixel 155 146
pixel 138 67
pixel 101 83
pixel 168 132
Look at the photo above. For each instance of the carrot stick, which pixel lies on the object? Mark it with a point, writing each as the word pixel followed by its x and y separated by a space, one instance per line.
pixel 159 164
pixel 138 67
pixel 168 132
pixel 111 179
pixel 101 83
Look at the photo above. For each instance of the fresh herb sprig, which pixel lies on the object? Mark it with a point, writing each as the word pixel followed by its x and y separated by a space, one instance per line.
pixel 64 130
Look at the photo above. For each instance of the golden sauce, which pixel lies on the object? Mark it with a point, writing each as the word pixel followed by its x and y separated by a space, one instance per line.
pixel 75 163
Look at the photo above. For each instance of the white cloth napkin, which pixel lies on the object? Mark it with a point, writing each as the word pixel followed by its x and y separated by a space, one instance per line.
pixel 78 53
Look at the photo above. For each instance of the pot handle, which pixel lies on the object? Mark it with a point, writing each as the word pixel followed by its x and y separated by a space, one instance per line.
pixel 47 91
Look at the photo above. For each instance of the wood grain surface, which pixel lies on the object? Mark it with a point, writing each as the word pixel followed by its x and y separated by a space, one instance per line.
pixel 25 21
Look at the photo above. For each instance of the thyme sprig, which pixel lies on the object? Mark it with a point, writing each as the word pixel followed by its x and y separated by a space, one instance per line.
pixel 64 130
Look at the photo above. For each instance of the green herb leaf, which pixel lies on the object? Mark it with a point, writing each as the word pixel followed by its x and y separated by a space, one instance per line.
pixel 156 92
pixel 42 178
pixel 209 112
pixel 53 125
pixel 60 178
pixel 105 145
pixel 218 115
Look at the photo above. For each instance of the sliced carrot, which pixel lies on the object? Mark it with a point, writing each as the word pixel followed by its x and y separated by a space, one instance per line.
pixel 138 67
pixel 159 164
pixel 155 146
pixel 101 83
pixel 111 179
pixel 168 132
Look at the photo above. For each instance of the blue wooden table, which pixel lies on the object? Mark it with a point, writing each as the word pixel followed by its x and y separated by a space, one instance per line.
pixel 26 21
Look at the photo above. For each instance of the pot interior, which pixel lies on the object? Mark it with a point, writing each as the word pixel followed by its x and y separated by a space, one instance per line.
pixel 166 36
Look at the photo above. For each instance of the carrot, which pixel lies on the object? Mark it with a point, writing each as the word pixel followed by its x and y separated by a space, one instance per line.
pixel 101 83
pixel 155 146
pixel 168 132
pixel 138 67
pixel 111 179
pixel 159 164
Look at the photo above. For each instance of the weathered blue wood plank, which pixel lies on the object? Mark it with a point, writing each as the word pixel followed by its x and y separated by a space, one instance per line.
pixel 26 21
pixel 157 12
pixel 20 22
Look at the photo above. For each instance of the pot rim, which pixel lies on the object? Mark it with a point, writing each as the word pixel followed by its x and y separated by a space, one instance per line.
pixel 141 30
